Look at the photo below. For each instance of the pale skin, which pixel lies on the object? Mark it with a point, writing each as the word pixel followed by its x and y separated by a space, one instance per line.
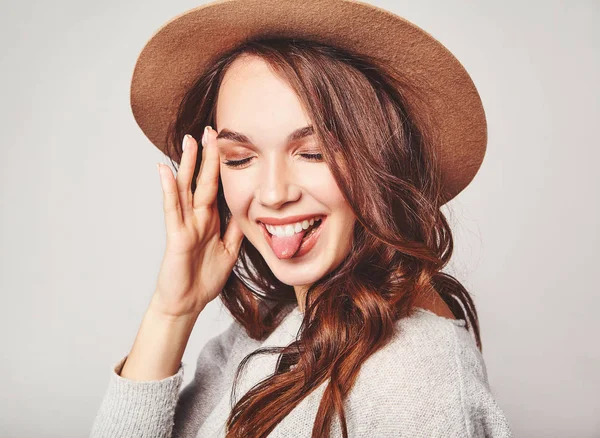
pixel 277 181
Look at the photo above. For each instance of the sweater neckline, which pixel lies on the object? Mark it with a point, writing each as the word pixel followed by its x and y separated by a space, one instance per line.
pixel 458 322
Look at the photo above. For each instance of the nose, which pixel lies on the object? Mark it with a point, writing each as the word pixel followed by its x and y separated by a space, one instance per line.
pixel 276 185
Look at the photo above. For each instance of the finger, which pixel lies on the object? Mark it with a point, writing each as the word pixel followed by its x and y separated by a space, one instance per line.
pixel 171 204
pixel 208 177
pixel 185 174
pixel 232 239
pixel 202 160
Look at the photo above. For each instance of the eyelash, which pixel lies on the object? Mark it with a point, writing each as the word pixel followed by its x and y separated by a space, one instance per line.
pixel 239 163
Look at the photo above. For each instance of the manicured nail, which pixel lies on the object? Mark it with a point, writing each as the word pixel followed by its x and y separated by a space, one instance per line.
pixel 204 135
pixel 185 140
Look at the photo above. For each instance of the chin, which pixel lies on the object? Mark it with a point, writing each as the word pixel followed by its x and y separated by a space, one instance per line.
pixel 294 271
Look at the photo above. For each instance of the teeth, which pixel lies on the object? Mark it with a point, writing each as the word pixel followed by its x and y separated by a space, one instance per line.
pixel 290 229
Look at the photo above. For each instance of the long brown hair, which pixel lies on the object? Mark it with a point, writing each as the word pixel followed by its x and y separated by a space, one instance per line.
pixel 364 114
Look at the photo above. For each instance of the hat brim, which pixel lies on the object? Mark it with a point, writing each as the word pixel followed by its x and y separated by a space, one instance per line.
pixel 180 50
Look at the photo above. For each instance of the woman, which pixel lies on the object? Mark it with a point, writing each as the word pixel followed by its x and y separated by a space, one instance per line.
pixel 313 211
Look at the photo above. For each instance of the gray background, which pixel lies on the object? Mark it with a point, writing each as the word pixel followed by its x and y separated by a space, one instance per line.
pixel 82 232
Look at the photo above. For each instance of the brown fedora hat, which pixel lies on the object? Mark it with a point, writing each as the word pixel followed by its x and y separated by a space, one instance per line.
pixel 181 49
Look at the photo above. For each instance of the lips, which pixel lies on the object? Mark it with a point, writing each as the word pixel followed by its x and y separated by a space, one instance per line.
pixel 268 236
pixel 265 231
pixel 288 220
pixel 309 242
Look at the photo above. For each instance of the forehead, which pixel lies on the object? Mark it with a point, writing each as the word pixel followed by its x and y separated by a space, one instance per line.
pixel 253 99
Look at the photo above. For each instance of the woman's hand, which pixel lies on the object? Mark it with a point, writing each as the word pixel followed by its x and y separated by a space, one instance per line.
pixel 196 263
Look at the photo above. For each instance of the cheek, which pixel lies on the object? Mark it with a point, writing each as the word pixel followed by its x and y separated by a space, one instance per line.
pixel 237 194
pixel 325 189
pixel 331 196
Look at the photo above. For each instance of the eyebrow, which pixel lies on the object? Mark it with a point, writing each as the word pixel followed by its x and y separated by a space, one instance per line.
pixel 241 138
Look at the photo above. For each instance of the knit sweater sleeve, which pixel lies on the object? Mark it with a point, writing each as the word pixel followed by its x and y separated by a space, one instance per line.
pixel 157 408
pixel 483 415
pixel 431 381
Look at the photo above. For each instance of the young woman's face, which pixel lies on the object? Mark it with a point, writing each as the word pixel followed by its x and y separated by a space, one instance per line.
pixel 274 180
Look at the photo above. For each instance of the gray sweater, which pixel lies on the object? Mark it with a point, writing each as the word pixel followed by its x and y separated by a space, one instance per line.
pixel 429 381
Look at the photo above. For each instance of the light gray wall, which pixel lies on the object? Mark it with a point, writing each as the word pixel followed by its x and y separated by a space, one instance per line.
pixel 83 233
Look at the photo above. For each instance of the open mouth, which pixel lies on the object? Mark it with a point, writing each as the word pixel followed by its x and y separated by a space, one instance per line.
pixel 307 233
pixel 302 246
pixel 312 229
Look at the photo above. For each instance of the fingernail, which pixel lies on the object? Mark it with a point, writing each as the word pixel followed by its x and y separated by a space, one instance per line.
pixel 185 138
pixel 206 128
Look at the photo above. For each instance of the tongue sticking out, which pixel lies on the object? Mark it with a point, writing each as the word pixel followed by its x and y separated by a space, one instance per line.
pixel 285 247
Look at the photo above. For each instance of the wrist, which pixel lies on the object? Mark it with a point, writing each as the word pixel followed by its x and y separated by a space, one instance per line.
pixel 159 312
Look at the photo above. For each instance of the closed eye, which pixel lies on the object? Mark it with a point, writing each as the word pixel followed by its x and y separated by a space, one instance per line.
pixel 315 157
pixel 239 163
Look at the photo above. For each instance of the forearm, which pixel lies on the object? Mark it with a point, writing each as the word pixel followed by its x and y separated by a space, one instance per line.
pixel 159 346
